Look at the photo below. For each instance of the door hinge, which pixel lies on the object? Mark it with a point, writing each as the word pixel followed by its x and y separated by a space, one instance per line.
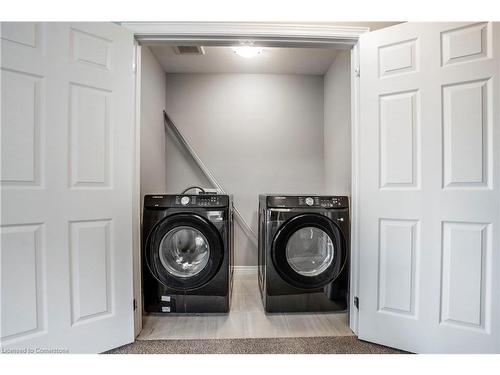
pixel 356 302
pixel 134 305
pixel 357 72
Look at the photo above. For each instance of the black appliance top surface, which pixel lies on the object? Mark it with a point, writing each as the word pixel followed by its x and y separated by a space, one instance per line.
pixel 306 201
pixel 186 200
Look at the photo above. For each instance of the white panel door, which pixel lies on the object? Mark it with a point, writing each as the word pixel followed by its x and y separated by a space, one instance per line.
pixel 66 178
pixel 429 187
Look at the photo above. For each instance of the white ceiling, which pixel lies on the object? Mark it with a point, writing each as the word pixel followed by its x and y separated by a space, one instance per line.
pixel 224 60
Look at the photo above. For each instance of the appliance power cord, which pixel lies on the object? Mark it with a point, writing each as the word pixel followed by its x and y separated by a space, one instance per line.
pixel 193 187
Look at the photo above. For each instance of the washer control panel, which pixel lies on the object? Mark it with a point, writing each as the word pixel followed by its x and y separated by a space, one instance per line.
pixel 308 201
pixel 313 201
pixel 205 200
pixel 208 200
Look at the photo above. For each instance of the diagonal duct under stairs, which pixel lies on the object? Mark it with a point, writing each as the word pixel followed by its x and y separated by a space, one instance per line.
pixel 169 124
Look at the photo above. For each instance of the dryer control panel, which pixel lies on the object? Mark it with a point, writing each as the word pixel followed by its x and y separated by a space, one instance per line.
pixel 168 201
pixel 312 201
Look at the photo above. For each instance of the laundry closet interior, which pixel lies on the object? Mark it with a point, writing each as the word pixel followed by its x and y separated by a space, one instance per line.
pixel 275 122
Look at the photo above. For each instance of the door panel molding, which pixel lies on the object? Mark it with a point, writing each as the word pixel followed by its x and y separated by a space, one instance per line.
pixel 67 175
pixel 452 206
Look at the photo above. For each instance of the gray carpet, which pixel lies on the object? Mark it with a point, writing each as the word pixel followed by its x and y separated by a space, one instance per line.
pixel 296 345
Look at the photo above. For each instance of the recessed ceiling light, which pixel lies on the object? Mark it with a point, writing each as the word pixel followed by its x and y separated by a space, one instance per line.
pixel 247 51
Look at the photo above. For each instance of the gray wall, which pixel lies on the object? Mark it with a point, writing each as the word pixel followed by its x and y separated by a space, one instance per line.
pixel 337 126
pixel 153 174
pixel 258 133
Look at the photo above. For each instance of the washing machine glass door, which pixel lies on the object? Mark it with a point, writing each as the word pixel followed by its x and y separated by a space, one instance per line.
pixel 309 251
pixel 184 251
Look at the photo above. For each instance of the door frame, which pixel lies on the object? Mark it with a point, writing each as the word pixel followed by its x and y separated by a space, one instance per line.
pixel 266 34
pixel 136 199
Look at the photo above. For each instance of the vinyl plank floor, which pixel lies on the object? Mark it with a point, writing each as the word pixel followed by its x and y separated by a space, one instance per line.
pixel 246 319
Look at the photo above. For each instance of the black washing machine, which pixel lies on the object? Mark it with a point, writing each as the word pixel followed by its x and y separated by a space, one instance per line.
pixel 304 253
pixel 187 253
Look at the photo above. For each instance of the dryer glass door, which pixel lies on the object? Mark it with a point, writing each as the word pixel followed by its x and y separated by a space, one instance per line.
pixel 310 251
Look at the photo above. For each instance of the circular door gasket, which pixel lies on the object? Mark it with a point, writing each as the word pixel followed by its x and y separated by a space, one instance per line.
pixel 279 253
pixel 166 226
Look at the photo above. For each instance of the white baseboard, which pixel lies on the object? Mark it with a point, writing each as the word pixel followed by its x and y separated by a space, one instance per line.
pixel 245 270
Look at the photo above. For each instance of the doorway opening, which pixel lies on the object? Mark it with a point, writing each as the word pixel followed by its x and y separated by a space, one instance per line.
pixel 265 116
